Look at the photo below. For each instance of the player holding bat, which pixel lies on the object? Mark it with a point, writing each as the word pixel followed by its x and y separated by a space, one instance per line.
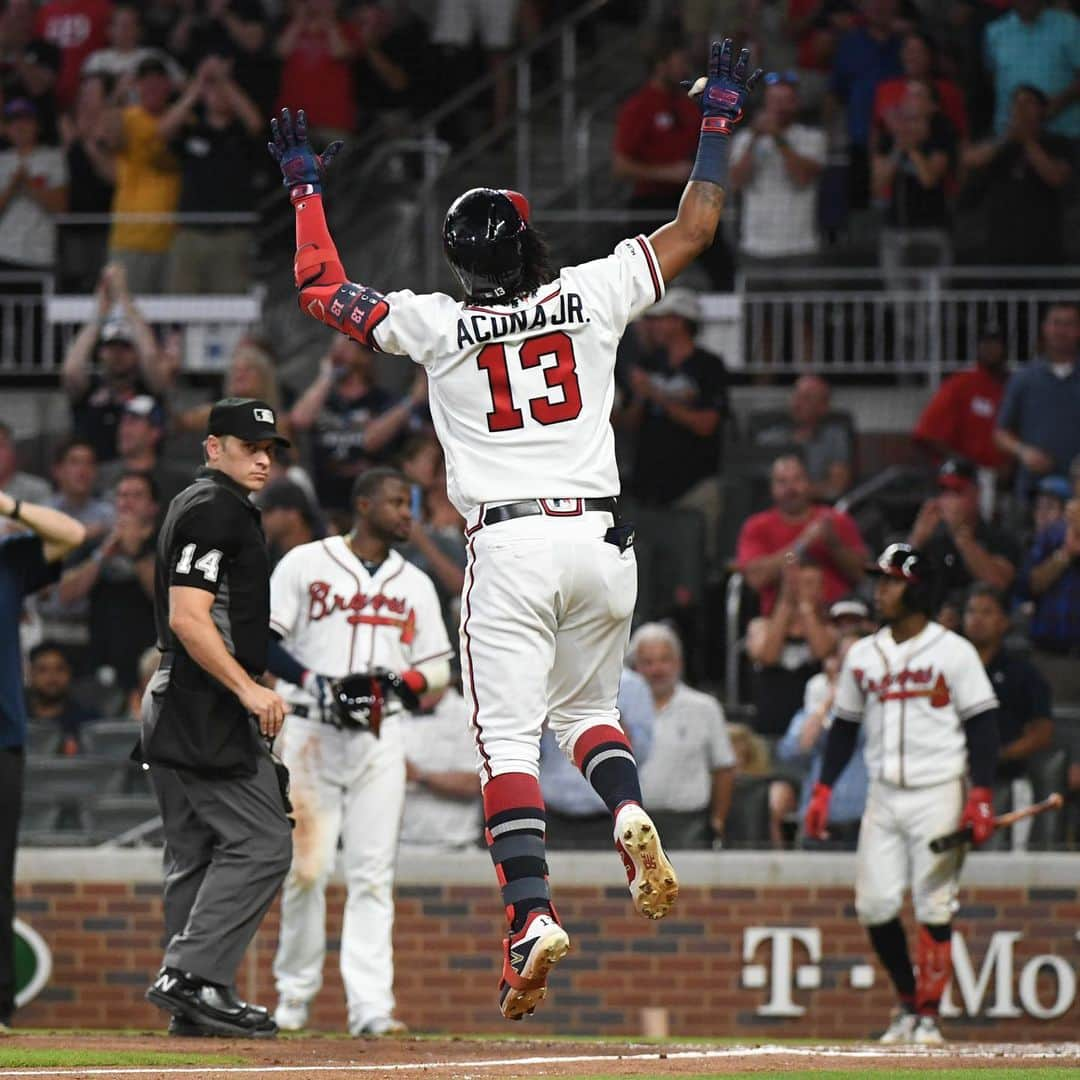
pixel 931 719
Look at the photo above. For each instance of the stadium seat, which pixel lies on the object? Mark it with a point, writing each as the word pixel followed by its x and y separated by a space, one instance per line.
pixel 69 779
pixel 113 815
pixel 1048 773
pixel 110 738
pixel 747 824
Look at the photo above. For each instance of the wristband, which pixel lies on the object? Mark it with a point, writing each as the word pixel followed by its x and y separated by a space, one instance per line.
pixel 14 514
pixel 714 148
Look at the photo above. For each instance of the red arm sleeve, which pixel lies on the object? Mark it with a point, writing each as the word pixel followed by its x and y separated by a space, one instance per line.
pixel 325 293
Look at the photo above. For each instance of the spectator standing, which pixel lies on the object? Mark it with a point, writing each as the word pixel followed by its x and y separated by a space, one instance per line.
pixel 77 28
pixel 951 533
pixel 117 582
pixel 865 57
pixel 918 57
pixel 959 419
pixel 33 190
pixel 92 176
pixel 823 441
pixel 48 697
pixel 576 816
pixel 816 26
pixel 1037 420
pixel 75 476
pixel 37 73
pixel 677 403
pixel 391 70
pixel 1051 578
pixel 211 129
pixel 126 356
pixel 1051 495
pixel 236 31
pixel 138 445
pixel 442 794
pixel 689 777
pixel 796 530
pixel 19 485
pixel 1038 45
pixel 803 746
pixel 776 164
pixel 29 561
pixel 288 518
pixel 787 647
pixel 656 135
pixel 317 51
pixel 1021 177
pixel 911 178
pixel 354 422
pixel 124 54
pixel 147 181
pixel 1025 724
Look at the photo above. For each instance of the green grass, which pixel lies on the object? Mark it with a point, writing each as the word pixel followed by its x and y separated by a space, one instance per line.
pixel 17 1057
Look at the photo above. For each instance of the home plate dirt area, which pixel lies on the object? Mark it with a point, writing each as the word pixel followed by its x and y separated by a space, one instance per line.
pixel 88 1055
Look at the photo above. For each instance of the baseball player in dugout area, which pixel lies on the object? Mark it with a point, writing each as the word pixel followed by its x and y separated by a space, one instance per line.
pixel 931 717
pixel 223 801
pixel 521 377
pixel 359 636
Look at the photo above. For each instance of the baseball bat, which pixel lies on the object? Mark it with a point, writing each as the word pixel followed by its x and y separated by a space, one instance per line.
pixel 963 836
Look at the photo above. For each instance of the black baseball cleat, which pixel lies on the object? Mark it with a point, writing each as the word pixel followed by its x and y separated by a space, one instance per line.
pixel 182 1028
pixel 211 1008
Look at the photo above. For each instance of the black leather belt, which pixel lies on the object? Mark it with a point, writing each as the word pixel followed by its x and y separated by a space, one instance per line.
pixel 532 508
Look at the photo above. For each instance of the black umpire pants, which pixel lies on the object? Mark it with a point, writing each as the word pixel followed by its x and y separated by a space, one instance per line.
pixel 11 788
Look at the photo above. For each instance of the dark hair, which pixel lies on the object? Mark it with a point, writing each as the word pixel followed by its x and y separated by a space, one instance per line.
pixel 1034 91
pixel 666 43
pixel 981 588
pixel 47 646
pixel 5 430
pixel 793 452
pixel 536 268
pixel 70 444
pixel 369 482
pixel 147 478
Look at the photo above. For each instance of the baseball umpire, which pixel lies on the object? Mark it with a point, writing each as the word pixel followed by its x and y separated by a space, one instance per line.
pixel 32 543
pixel 228 844
pixel 931 717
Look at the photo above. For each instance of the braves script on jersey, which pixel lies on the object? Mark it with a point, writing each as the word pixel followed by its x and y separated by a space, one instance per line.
pixel 337 618
pixel 914 699
pixel 505 379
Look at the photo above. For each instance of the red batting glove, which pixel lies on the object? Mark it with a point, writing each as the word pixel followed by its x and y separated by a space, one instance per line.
pixel 816 821
pixel 978 815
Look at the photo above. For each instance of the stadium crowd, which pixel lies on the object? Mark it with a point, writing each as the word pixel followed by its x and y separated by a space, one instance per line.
pixel 945 109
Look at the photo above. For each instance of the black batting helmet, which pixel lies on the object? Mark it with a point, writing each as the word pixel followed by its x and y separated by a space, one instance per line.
pixel 482 238
pixel 906 563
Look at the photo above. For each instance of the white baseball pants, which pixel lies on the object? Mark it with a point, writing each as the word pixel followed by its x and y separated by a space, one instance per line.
pixel 894 853
pixel 348 785
pixel 545 619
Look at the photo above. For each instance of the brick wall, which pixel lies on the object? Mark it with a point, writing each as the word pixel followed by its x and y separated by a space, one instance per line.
pixel 105 938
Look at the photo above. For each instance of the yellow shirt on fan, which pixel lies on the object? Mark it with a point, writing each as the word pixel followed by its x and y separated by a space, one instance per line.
pixel 147 182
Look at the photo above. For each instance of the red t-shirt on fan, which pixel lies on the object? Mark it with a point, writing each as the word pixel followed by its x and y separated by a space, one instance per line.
pixel 77 28
pixel 309 74
pixel 658 127
pixel 769 532
pixel 963 415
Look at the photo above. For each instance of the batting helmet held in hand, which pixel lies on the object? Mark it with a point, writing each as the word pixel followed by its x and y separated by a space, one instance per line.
pixel 482 240
pixel 906 563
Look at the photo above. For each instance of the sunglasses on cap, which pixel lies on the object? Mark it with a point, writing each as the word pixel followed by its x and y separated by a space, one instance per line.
pixel 786 78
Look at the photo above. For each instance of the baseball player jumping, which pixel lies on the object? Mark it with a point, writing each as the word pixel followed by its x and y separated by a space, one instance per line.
pixel 521 390
pixel 931 717
pixel 361 636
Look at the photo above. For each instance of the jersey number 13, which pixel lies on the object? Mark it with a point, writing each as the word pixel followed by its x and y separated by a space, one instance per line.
pixel 562 375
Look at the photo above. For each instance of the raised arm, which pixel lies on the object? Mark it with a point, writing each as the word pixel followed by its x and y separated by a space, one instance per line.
pixel 722 94
pixel 325 293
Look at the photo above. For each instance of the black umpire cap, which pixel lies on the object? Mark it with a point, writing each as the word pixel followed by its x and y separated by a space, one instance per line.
pixel 245 418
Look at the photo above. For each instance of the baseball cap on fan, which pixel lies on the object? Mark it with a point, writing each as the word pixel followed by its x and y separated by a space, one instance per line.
pixel 245 418
pixel 677 301
pixel 956 474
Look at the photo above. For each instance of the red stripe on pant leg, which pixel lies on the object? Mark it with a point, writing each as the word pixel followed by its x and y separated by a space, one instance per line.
pixel 511 791
pixel 592 737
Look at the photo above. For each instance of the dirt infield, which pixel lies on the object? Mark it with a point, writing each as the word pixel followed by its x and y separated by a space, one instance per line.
pixel 326 1058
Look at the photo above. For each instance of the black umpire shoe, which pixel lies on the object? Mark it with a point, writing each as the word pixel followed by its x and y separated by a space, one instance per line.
pixel 211 1008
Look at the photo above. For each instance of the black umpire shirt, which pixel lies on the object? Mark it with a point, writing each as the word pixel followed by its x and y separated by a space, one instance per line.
pixel 1024 697
pixel 212 539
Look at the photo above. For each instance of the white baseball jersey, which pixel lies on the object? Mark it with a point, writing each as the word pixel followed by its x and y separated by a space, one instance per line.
pixel 521 394
pixel 336 618
pixel 914 699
